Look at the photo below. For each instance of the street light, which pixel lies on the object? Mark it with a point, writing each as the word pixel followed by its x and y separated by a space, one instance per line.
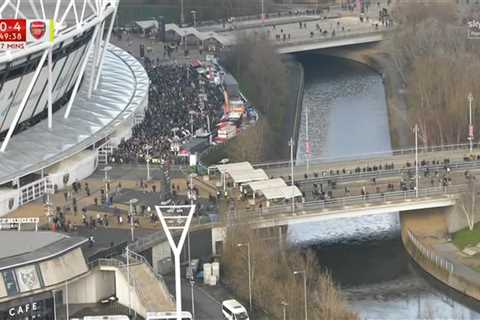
pixel 249 274
pixel 291 144
pixel 307 140
pixel 284 305
pixel 192 283
pixel 106 170
pixel 304 289
pixel 416 159
pixel 132 202
pixel 263 10
pixel 192 175
pixel 470 126
pixel 148 158
pixel 182 17
pixel 127 253
pixel 194 13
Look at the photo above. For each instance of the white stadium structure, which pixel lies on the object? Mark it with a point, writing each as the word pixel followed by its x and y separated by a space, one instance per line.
pixel 64 104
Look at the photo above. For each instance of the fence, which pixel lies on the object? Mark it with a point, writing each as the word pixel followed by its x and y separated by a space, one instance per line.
pixel 381 155
pixel 339 203
pixel 428 254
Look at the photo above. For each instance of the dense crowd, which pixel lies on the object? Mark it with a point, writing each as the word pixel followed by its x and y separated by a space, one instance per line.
pixel 176 106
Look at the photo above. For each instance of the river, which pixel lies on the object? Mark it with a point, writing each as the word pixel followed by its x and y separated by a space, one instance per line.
pixel 348 116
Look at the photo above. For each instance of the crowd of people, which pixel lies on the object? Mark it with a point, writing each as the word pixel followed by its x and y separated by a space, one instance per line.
pixel 177 109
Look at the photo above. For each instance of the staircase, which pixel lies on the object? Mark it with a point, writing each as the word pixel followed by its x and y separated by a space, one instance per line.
pixel 152 293
pixel 149 288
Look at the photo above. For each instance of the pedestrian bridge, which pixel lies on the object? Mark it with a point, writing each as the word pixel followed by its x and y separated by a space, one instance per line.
pixel 347 39
pixel 348 207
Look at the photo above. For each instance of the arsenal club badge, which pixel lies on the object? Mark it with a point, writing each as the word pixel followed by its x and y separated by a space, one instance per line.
pixel 38 29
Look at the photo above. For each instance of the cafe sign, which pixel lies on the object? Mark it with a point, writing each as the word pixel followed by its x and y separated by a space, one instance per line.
pixel 473 26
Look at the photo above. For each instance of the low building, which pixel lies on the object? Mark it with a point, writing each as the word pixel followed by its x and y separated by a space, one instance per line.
pixel 35 267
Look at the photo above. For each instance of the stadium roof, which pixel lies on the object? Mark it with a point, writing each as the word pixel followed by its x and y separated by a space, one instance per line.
pixel 123 89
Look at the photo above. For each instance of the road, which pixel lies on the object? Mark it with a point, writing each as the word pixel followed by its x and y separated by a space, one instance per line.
pixel 206 306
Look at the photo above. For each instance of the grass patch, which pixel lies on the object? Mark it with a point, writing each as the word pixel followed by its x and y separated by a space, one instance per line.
pixel 465 237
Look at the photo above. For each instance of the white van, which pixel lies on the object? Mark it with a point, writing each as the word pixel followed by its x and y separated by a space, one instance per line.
pixel 233 310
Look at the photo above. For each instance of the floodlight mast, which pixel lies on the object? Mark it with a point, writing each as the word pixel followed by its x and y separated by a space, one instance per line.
pixel 177 249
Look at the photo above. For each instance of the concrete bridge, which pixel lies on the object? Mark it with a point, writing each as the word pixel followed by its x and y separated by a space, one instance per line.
pixel 347 39
pixel 380 164
pixel 348 207
pixel 443 174
pixel 292 34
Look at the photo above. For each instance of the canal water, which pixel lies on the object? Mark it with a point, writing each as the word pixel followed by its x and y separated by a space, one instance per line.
pixel 348 116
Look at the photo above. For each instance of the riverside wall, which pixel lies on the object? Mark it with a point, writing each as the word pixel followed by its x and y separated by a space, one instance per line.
pixel 296 115
pixel 418 230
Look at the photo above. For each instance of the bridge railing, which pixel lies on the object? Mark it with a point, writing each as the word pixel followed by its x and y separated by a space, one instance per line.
pixel 338 203
pixel 338 36
pixel 351 174
pixel 371 156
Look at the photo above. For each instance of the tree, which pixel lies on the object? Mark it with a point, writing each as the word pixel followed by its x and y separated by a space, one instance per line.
pixel 250 145
pixel 273 279
pixel 438 66
pixel 469 203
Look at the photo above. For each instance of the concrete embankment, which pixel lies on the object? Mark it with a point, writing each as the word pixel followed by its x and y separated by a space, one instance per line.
pixel 424 237
pixel 294 114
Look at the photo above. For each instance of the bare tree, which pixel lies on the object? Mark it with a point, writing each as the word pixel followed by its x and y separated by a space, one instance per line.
pixel 468 202
pixel 274 281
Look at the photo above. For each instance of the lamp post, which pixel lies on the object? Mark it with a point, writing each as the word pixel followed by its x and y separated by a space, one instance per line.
pixel 127 253
pixel 194 13
pixel 416 159
pixel 54 292
pixel 192 283
pixel 291 144
pixel 66 300
pixel 262 6
pixel 304 289
pixel 249 274
pixel 470 126
pixel 106 170
pixel 132 202
pixel 284 305
pixel 148 158
pixel 307 141
pixel 182 17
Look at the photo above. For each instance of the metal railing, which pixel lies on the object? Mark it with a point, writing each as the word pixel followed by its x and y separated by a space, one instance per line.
pixel 306 208
pixel 382 173
pixel 325 38
pixel 441 262
pixel 381 155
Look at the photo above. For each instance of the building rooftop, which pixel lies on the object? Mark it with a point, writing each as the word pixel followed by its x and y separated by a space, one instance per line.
pixel 23 247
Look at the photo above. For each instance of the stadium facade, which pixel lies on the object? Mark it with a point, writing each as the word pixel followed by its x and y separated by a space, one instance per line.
pixel 64 104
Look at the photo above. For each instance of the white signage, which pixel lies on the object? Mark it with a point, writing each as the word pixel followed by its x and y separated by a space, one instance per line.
pixel 27 278
pixel 473 29
pixel 23 309
pixel 19 220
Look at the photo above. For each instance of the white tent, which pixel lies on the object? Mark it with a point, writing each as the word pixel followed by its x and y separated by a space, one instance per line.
pixel 266 184
pixel 147 24
pixel 230 167
pixel 286 192
pixel 242 176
